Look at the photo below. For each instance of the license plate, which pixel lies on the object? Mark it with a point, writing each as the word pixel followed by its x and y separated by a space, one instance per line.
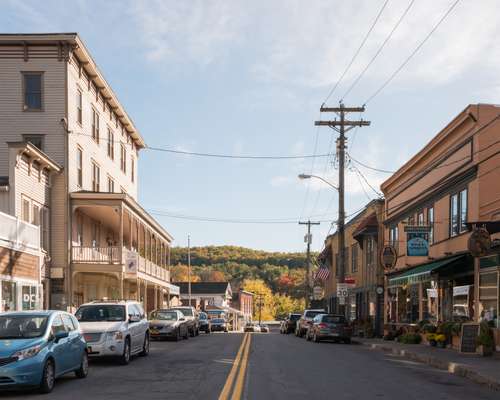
pixel 334 334
pixel 154 332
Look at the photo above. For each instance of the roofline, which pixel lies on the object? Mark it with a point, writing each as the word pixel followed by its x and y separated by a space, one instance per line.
pixel 30 148
pixel 83 55
pixel 132 203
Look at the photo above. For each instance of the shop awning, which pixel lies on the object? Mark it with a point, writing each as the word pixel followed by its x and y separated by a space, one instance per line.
pixel 422 272
pixel 173 290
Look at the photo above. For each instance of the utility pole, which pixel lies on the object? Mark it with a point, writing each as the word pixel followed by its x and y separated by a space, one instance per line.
pixel 340 127
pixel 308 240
pixel 189 269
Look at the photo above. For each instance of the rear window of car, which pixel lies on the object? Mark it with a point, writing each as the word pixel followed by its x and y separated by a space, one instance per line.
pixel 333 319
pixel 312 314
pixel 294 317
pixel 218 320
pixel 186 311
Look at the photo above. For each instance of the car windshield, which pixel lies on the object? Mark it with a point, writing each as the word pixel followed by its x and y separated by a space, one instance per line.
pixel 164 315
pixel 203 316
pixel 99 313
pixel 186 311
pixel 312 314
pixel 333 319
pixel 22 326
pixel 294 317
pixel 218 321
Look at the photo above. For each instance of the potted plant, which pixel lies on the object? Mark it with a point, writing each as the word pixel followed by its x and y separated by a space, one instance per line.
pixel 485 340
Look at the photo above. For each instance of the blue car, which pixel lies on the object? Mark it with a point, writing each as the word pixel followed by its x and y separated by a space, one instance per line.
pixel 36 347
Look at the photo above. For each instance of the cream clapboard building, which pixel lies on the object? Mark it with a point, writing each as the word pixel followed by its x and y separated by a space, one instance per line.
pixel 68 163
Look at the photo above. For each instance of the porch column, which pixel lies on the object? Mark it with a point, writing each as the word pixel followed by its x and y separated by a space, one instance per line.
pixel 120 240
pixel 131 238
pixel 146 295
pixel 156 297
pixel 476 288
pixel 122 282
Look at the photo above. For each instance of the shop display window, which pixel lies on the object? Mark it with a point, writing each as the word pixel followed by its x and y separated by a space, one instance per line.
pixel 9 296
pixel 488 298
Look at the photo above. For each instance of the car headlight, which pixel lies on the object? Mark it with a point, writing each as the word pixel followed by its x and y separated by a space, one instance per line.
pixel 27 353
pixel 117 335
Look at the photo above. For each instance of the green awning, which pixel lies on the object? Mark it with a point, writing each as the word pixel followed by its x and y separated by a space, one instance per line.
pixel 490 261
pixel 422 272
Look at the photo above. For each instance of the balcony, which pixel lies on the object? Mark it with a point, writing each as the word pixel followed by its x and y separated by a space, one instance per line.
pixel 96 255
pixel 18 234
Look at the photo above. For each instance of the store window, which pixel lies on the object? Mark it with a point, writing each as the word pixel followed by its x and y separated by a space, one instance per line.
pixel 394 236
pixel 458 213
pixel 29 297
pixel 429 302
pixel 488 298
pixel 430 222
pixel 392 304
pixel 370 251
pixel 9 296
pixel 354 258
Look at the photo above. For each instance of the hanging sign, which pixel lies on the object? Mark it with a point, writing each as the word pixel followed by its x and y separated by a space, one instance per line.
pixel 417 241
pixel 131 263
pixel 479 242
pixel 388 257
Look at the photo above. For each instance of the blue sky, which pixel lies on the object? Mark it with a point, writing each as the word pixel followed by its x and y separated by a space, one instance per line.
pixel 244 77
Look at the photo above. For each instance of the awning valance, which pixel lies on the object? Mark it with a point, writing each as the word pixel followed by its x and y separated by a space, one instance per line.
pixel 422 272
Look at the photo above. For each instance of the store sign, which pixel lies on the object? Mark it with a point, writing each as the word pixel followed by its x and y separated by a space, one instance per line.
pixel 131 263
pixel 479 242
pixel 388 257
pixel 417 241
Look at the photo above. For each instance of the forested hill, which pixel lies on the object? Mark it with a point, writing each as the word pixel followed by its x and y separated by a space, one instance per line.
pixel 223 254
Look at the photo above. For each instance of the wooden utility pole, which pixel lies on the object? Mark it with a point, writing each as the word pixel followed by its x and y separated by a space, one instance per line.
pixel 189 270
pixel 308 240
pixel 340 127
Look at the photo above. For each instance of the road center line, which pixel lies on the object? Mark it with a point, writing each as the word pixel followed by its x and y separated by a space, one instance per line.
pixel 238 388
pixel 230 378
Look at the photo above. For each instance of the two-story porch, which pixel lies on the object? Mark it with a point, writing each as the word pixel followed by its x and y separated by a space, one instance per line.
pixel 118 251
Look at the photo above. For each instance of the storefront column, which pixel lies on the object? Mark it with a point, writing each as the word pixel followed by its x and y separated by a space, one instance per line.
pixel 420 301
pixel 122 289
pixel 476 288
pixel 145 295
pixel 156 297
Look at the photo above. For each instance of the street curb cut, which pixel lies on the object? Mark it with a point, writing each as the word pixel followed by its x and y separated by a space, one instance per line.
pixel 453 368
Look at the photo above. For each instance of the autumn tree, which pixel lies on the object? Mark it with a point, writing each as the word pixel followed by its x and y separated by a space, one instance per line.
pixel 263 293
pixel 180 273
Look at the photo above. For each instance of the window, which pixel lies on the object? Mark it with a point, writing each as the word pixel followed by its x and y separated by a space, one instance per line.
pixel 123 159
pixel 354 258
pixel 488 298
pixel 79 229
pixel 95 125
pixel 57 325
pixel 32 91
pixel 95 235
pixel 35 140
pixel 68 323
pixel 35 215
pixel 111 144
pixel 420 218
pixel 79 112
pixel 29 299
pixel 430 222
pixel 96 177
pixel 458 213
pixel 394 236
pixel 111 185
pixel 44 231
pixel 411 220
pixel 26 210
pixel 9 296
pixel 370 247
pixel 79 166
pixel 132 169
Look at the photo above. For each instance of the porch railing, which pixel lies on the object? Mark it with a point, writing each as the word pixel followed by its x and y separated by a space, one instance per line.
pixel 19 233
pixel 96 255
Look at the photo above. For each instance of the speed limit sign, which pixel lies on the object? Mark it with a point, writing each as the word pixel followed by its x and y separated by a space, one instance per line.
pixel 342 289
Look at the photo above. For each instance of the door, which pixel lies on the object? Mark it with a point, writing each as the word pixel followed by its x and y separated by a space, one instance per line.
pixel 74 342
pixel 61 348
pixel 134 328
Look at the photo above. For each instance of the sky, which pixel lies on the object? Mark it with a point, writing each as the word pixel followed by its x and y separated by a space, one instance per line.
pixel 248 78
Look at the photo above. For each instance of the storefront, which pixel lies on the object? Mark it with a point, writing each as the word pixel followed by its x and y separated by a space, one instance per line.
pixel 440 290
pixel 20 294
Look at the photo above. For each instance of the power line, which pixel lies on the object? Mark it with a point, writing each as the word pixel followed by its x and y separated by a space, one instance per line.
pixel 379 195
pixel 215 155
pixel 361 184
pixel 379 50
pixel 356 53
pixel 412 53
pixel 369 167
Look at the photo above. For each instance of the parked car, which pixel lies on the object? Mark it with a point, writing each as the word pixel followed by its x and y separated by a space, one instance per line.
pixel 289 323
pixel 249 327
pixel 204 322
pixel 264 328
pixel 219 324
pixel 191 316
pixel 168 324
pixel 36 347
pixel 306 320
pixel 117 328
pixel 329 327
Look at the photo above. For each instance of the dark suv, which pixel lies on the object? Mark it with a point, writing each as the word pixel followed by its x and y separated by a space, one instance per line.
pixel 329 327
pixel 289 323
pixel 306 320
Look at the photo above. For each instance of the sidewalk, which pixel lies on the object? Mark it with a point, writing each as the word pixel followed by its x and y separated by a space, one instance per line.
pixel 481 370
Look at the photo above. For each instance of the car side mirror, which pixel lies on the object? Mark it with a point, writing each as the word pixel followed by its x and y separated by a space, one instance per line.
pixel 60 335
pixel 133 318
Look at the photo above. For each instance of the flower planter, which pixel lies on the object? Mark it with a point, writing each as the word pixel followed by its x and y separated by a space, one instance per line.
pixel 455 342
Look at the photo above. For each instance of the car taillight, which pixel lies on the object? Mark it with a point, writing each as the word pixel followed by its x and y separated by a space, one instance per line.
pixel 323 326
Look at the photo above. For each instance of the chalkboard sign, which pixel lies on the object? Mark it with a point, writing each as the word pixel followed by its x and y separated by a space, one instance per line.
pixel 470 332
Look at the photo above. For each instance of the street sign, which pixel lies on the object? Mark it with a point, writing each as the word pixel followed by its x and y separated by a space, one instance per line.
pixel 342 301
pixel 317 293
pixel 342 290
pixel 308 238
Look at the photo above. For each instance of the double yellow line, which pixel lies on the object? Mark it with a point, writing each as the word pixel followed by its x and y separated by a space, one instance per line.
pixel 238 371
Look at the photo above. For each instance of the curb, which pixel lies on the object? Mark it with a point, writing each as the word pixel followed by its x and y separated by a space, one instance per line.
pixel 453 368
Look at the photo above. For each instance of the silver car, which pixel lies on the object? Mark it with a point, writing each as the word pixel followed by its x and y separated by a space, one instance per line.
pixel 168 324
pixel 117 328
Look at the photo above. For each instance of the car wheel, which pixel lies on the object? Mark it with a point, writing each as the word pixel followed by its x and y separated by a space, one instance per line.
pixel 83 370
pixel 145 346
pixel 48 377
pixel 186 336
pixel 125 357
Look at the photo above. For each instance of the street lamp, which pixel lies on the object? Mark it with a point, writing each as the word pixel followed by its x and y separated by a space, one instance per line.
pixel 309 176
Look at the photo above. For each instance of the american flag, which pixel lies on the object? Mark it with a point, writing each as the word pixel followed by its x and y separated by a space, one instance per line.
pixel 322 273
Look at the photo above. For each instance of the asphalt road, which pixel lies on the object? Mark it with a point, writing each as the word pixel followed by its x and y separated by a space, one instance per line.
pixel 263 366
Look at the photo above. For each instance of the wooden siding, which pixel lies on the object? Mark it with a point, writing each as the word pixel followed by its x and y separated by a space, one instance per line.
pixel 18 264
